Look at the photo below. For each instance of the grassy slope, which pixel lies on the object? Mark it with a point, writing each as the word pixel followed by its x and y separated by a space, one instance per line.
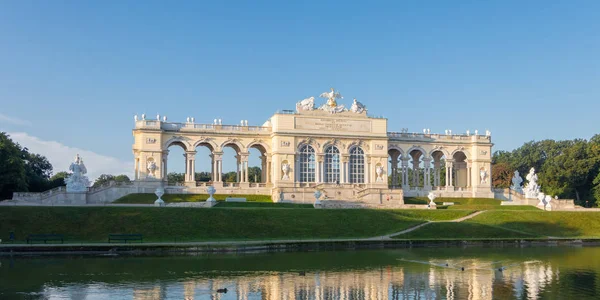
pixel 556 224
pixel 463 230
pixel 93 224
pixel 468 203
pixel 170 198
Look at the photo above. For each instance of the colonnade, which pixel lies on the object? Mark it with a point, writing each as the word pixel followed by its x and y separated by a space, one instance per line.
pixel 431 176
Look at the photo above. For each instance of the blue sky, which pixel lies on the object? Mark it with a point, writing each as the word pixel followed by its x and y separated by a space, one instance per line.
pixel 73 73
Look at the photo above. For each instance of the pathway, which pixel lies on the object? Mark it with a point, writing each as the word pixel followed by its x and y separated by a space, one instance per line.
pixel 389 236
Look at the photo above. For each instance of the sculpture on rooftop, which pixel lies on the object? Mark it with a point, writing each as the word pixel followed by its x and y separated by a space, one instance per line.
pixel 307 104
pixel 358 107
pixel 331 105
pixel 77 181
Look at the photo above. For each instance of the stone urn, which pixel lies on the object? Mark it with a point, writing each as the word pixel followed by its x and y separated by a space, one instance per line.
pixel 286 171
pixel 317 196
pixel 211 191
pixel 431 197
pixel 159 193
pixel 541 197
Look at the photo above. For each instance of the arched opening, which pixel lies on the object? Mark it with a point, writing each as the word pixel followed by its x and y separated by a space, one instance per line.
pixel 332 165
pixel 174 163
pixel 233 163
pixel 416 174
pixel 394 173
pixel 357 165
pixel 438 179
pixel 306 164
pixel 258 164
pixel 203 165
pixel 459 170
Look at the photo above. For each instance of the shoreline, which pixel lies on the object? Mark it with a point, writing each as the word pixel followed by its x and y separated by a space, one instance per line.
pixel 232 247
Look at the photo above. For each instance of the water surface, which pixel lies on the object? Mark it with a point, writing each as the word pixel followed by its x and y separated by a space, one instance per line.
pixel 419 273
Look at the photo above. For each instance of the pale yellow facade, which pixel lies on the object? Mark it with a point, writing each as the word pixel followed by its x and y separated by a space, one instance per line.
pixel 346 155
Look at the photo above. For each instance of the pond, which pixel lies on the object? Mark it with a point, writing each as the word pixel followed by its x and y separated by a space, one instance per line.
pixel 417 273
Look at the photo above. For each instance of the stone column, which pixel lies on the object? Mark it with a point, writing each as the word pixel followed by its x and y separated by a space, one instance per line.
pixel 165 163
pixel 190 157
pixel 405 172
pixel 427 173
pixel 136 164
pixel 245 167
pixel 468 174
pixel 394 164
pixel 450 174
pixel 269 171
pixel 218 166
pixel 344 169
pixel 318 169
pixel 238 168
pixel 416 172
pixel 436 173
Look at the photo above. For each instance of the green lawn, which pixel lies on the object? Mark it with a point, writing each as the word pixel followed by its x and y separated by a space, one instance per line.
pixel 469 204
pixel 555 223
pixel 462 230
pixel 93 224
pixel 170 198
pixel 222 204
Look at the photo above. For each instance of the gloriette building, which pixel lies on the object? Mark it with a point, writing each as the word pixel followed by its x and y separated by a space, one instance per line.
pixel 348 155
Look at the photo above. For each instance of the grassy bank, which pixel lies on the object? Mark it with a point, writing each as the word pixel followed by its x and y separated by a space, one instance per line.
pixel 468 203
pixel 172 198
pixel 93 224
pixel 514 224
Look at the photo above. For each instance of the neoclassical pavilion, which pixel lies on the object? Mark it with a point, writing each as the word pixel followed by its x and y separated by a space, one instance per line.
pixel 344 152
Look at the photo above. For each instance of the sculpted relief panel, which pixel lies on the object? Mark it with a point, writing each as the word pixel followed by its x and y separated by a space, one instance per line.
pixel 333 124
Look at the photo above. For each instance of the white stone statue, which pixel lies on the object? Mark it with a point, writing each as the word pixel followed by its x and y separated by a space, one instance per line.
pixel 307 104
pixel 164 118
pixel 516 183
pixel 532 189
pixel 431 197
pixel 211 191
pixel 135 118
pixel 143 116
pixel 379 173
pixel 77 181
pixel 331 104
pixel 159 193
pixel 286 171
pixel 151 166
pixel 547 201
pixel 358 107
pixel 483 176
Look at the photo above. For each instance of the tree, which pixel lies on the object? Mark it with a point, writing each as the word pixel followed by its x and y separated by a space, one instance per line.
pixel 254 174
pixel 230 177
pixel 174 178
pixel 106 178
pixel 38 170
pixel 58 179
pixel 12 167
pixel 501 175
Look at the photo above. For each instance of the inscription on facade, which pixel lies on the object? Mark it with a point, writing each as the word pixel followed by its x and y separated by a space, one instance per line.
pixel 333 124
pixel 285 143
pixel 150 141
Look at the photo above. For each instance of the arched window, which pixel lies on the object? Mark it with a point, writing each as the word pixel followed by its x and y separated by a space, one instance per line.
pixel 307 163
pixel 357 165
pixel 332 165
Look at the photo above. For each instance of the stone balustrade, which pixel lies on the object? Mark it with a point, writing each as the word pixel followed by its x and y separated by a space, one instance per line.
pixel 195 127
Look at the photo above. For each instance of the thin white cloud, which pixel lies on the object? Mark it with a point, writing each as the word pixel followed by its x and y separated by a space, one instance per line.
pixel 14 121
pixel 61 156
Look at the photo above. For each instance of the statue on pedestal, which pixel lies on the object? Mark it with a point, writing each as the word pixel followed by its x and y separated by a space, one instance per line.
pixel 307 104
pixel 357 107
pixel 286 171
pixel 151 166
pixel 379 173
pixel 532 189
pixel 77 181
pixel 516 183
pixel 483 175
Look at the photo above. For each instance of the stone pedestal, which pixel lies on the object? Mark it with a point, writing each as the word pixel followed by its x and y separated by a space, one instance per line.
pixel 159 193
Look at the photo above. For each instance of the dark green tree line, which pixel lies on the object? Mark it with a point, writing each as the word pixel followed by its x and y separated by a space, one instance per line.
pixel 568 169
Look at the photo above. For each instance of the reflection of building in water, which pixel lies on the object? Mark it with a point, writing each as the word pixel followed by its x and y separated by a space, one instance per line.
pixel 412 280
